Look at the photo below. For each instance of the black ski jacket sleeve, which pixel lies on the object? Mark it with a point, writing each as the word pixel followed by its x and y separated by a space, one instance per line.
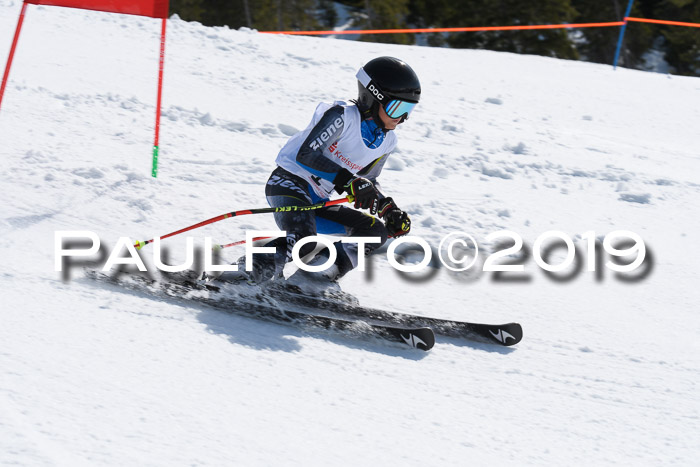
pixel 326 132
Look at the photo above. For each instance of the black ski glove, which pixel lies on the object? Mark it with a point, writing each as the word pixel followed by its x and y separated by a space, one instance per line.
pixel 396 221
pixel 365 194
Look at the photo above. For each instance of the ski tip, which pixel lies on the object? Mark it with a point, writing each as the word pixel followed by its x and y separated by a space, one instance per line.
pixel 419 338
pixel 506 334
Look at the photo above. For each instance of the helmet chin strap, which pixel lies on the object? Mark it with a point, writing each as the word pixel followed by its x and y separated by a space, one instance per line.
pixel 375 116
pixel 372 112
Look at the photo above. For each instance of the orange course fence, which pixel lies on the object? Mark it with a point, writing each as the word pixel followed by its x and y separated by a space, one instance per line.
pixel 622 24
pixel 434 30
pixel 485 28
pixel 661 21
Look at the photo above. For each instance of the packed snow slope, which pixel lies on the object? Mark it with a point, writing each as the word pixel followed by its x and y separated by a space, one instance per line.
pixel 607 372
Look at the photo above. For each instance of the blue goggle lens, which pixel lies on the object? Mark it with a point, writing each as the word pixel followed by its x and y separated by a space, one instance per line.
pixel 396 108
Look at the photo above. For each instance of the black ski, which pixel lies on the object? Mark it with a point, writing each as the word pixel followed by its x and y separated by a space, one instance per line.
pixel 503 334
pixel 346 305
pixel 262 307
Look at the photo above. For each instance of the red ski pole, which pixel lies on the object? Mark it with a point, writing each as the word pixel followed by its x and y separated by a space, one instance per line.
pixel 239 242
pixel 347 199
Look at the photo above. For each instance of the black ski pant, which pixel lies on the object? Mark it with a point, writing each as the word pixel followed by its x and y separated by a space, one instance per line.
pixel 286 189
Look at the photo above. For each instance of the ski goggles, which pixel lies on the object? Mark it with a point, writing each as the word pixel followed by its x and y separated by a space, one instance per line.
pixel 397 108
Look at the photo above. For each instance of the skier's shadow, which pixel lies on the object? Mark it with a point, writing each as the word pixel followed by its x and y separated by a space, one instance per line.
pixel 263 335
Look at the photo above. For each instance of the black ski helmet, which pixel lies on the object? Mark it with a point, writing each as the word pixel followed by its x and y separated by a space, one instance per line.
pixel 382 81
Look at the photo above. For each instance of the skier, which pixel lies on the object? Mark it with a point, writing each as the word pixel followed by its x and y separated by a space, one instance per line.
pixel 342 150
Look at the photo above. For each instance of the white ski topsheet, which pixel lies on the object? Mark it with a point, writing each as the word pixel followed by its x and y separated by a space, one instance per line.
pixel 607 371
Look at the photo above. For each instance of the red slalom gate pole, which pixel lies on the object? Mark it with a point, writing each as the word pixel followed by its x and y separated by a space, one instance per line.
pixel 161 65
pixel 347 199
pixel 12 51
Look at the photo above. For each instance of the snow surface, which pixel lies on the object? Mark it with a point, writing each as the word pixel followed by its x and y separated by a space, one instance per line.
pixel 607 372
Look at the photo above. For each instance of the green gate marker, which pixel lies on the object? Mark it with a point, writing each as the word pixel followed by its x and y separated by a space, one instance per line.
pixel 154 169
